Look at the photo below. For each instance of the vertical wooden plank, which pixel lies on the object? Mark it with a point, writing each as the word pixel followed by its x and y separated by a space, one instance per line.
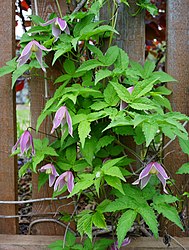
pixel 131 37
pixel 131 30
pixel 178 66
pixel 38 100
pixel 8 172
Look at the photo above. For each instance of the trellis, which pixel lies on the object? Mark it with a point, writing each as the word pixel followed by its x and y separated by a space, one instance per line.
pixel 132 39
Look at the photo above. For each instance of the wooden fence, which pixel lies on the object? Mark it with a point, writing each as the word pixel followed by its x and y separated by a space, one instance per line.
pixel 132 39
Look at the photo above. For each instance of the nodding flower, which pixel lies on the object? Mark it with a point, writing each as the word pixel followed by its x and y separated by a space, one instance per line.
pixel 65 178
pixel 148 171
pixel 25 141
pixel 58 25
pixel 34 47
pixel 62 116
pixel 51 171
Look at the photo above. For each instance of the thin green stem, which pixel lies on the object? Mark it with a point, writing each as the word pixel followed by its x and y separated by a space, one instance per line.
pixel 59 9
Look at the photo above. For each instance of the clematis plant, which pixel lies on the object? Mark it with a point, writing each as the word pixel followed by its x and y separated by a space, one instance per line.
pixel 148 171
pixel 51 171
pixel 35 47
pixel 65 178
pixel 25 141
pixel 62 116
pixel 58 25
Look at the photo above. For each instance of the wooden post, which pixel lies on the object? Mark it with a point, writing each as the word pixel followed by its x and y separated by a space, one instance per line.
pixel 38 100
pixel 8 166
pixel 178 66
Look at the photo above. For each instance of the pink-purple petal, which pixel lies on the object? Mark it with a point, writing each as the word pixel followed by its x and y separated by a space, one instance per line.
pixel 49 22
pixel 144 181
pixel 24 58
pixel 70 181
pixel 146 171
pixel 55 31
pixel 16 145
pixel 51 180
pixel 69 122
pixel 161 170
pixel 39 59
pixel 163 181
pixel 130 89
pixel 62 23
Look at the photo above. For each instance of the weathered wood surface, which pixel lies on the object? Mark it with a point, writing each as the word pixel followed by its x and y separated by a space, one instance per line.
pixel 35 242
pixel 38 100
pixel 178 66
pixel 8 166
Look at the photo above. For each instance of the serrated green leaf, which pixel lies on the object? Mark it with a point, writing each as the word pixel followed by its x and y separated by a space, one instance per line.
pixel 84 225
pixel 150 130
pixel 6 70
pixel 99 220
pixel 65 48
pixel 83 131
pixel 184 144
pixel 164 102
pixel 102 244
pixel 102 74
pixel 143 87
pixel 110 95
pixel 96 51
pixel 39 157
pixel 163 77
pixel 114 171
pixel 111 55
pixel 114 182
pixel 184 169
pixel 99 105
pixel 88 65
pixel 104 141
pixel 121 91
pixel 125 222
pixel 82 184
pixel 36 29
pixel 170 213
pixel 143 104
pixel 88 149
pixel 149 67
pixel 122 60
pixel 164 198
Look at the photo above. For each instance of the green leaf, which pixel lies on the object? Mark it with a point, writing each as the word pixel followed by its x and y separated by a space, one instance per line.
pixel 102 244
pixel 57 245
pixel 84 224
pixel 82 184
pixel 122 61
pixel 114 171
pixel 71 153
pixel 125 222
pixel 99 105
pixel 143 104
pixel 184 144
pixel 143 87
pixel 37 19
pixel 111 55
pixel 96 51
pixel 104 141
pixel 83 130
pixel 36 29
pixel 110 95
pixel 164 198
pixel 42 178
pixel 149 67
pixel 69 66
pixel 70 239
pixel 99 220
pixel 170 213
pixel 88 150
pixel 163 77
pixel 114 182
pixel 6 70
pixel 65 48
pixel 102 74
pixel 184 169
pixel 161 100
pixel 24 168
pixel 39 157
pixel 88 65
pixel 150 130
pixel 41 118
pixel 122 92
pixel 18 72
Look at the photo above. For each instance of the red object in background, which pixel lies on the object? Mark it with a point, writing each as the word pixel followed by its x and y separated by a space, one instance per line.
pixel 25 5
pixel 20 85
